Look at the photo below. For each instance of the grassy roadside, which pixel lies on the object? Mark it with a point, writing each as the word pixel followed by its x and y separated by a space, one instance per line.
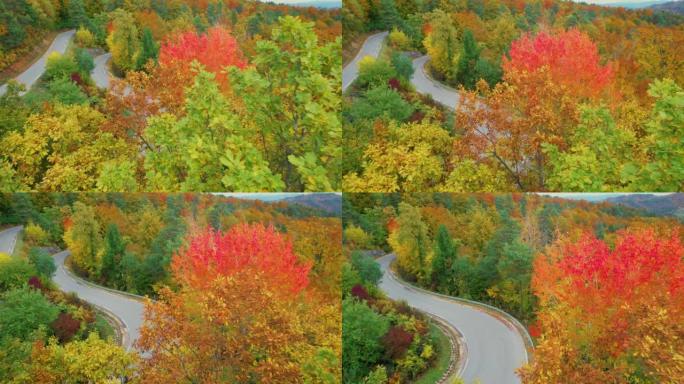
pixel 441 365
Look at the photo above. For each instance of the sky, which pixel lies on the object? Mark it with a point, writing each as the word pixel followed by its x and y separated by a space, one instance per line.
pixel 594 196
pixel 600 2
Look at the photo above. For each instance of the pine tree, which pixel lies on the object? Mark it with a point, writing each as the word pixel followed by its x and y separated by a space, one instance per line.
pixel 114 249
pixel 470 54
pixel 445 254
pixel 150 49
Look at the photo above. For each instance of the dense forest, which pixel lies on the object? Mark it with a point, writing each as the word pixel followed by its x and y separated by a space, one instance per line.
pixel 211 96
pixel 277 264
pixel 546 95
pixel 599 285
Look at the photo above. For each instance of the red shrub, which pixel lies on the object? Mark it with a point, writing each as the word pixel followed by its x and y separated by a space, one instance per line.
pixel 396 342
pixel 65 327
pixel 393 83
pixel 34 282
pixel 360 292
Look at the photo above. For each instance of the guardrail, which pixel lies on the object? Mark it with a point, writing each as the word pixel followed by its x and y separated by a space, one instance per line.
pixel 457 359
pixel 504 316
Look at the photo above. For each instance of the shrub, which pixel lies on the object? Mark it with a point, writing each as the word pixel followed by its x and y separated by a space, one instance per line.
pixel 35 234
pixel 85 38
pixel 402 65
pixel 34 282
pixel 65 327
pixel 23 311
pixel 15 274
pixel 367 267
pixel 59 66
pixel 356 237
pixel 84 62
pixel 362 331
pixel 381 102
pixel 66 92
pixel 373 73
pixel 43 262
pixel 360 292
pixel 399 40
pixel 396 342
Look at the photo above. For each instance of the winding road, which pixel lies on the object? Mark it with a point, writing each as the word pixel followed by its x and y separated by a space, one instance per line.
pixel 128 311
pixel 8 239
pixel 423 83
pixel 35 71
pixel 100 73
pixel 495 348
pixel 370 47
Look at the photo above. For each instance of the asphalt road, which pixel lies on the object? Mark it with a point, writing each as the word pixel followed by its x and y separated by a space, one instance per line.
pixel 35 71
pixel 8 238
pixel 101 73
pixel 370 47
pixel 424 84
pixel 128 310
pixel 494 347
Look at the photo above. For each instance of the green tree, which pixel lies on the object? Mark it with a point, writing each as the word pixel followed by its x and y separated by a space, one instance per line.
pixel 59 66
pixel 15 273
pixel 368 269
pixel 24 311
pixel 114 250
pixel 470 54
pixel 402 65
pixel 43 262
pixel 292 93
pixel 207 149
pixel 84 239
pixel 444 256
pixel 388 15
pixel 442 44
pixel 84 62
pixel 665 134
pixel 64 91
pixel 123 41
pixel 374 72
pixel 379 102
pixel 76 14
pixel 515 271
pixel 150 49
pixel 362 331
pixel 410 240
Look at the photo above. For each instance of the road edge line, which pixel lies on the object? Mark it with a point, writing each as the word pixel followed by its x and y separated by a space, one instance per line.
pixel 73 275
pixel 504 316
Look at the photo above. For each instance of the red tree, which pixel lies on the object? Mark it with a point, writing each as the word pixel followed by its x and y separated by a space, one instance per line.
pixel 571 57
pixel 243 248
pixel 216 50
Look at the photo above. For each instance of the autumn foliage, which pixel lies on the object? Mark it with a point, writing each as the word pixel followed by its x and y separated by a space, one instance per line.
pixel 244 247
pixel 571 57
pixel 215 50
pixel 610 313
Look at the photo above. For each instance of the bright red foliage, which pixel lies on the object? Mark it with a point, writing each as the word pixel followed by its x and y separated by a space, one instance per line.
pixel 216 50
pixel 571 57
pixel 242 248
